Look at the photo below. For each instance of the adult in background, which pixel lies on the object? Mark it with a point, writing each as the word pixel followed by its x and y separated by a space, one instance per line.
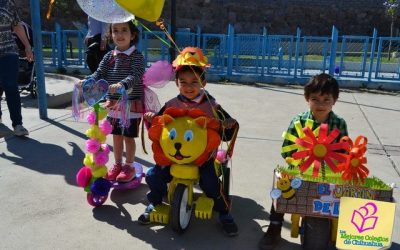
pixel 10 22
pixel 96 42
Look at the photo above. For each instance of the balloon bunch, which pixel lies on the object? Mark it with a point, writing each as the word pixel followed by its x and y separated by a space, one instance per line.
pixel 118 11
pixel 90 176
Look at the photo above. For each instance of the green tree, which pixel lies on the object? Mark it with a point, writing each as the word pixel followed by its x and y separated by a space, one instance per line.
pixel 391 11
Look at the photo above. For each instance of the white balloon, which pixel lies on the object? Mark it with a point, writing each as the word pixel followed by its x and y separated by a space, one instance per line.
pixel 107 11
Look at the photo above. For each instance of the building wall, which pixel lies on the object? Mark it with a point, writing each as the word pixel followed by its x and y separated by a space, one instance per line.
pixel 314 17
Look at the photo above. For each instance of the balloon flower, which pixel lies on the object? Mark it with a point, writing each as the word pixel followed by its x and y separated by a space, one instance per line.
pixel 97 156
pixel 291 137
pixel 320 149
pixel 354 167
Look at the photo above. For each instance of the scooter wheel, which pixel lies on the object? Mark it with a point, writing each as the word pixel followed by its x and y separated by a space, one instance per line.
pixel 317 233
pixel 96 200
pixel 181 210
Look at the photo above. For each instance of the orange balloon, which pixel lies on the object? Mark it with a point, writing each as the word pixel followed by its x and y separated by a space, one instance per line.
pixel 149 10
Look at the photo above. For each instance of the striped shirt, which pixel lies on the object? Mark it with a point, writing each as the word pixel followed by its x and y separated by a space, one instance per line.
pixel 333 121
pixel 125 69
pixel 8 19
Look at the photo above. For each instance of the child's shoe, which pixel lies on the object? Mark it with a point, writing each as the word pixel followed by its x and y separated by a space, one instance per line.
pixel 114 172
pixel 127 173
pixel 19 130
pixel 228 225
pixel 144 218
pixel 271 238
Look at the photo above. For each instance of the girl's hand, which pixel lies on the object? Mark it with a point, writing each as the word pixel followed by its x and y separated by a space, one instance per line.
pixel 229 123
pixel 148 116
pixel 79 84
pixel 115 87
pixel 29 53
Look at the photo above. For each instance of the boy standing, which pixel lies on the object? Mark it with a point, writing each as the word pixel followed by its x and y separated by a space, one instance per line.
pixel 321 93
pixel 190 80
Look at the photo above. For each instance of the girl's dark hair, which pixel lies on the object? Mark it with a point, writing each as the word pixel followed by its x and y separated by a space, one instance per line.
pixel 199 71
pixel 134 31
pixel 322 83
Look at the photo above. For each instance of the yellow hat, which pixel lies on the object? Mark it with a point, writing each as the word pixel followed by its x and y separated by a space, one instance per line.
pixel 190 56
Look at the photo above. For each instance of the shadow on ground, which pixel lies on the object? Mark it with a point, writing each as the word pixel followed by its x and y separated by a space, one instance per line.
pixel 200 232
pixel 30 153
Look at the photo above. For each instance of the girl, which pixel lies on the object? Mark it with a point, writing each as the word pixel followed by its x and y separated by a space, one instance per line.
pixel 123 67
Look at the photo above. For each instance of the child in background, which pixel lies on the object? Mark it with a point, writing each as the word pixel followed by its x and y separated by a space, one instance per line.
pixel 123 67
pixel 321 93
pixel 190 80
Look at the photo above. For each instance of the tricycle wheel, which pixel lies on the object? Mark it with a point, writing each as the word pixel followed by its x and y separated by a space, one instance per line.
pixel 181 210
pixel 316 233
pixel 95 200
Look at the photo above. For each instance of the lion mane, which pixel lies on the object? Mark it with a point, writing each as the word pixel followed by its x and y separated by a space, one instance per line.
pixel 212 125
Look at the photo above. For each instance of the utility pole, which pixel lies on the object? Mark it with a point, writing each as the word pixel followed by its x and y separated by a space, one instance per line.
pixel 173 29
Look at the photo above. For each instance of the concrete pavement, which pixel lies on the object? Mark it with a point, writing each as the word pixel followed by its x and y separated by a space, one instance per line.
pixel 42 207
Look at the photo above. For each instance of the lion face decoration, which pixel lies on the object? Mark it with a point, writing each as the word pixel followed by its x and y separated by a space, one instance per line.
pixel 183 136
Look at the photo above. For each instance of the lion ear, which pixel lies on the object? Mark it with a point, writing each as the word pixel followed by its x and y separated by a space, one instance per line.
pixel 165 119
pixel 201 121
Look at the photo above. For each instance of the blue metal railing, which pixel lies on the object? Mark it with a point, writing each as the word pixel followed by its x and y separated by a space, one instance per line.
pixel 262 55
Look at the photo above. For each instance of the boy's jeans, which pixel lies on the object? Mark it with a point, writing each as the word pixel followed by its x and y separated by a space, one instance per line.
pixel 8 80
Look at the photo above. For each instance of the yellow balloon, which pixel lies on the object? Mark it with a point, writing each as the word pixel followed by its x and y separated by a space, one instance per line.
pixel 88 160
pixel 149 10
pixel 102 113
pixel 101 137
pixel 99 171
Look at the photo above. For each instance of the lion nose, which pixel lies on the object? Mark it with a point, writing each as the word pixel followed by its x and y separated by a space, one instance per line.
pixel 178 146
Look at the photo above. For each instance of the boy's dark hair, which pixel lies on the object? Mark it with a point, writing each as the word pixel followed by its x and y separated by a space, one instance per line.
pixel 134 30
pixel 200 71
pixel 322 83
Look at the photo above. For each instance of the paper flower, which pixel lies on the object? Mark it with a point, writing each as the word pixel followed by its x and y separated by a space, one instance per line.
pixel 92 145
pixel 320 149
pixel 291 137
pixel 100 187
pixel 91 118
pixel 105 127
pixel 353 168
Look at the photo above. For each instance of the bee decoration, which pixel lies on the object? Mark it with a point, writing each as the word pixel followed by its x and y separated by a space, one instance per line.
pixel 285 188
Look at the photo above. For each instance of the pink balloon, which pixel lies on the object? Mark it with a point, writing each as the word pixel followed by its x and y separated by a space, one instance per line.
pixel 83 176
pixel 221 155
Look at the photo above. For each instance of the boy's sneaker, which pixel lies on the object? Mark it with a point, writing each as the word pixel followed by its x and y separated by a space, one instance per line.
pixel 144 218
pixel 19 130
pixel 271 238
pixel 229 226
pixel 127 174
pixel 114 172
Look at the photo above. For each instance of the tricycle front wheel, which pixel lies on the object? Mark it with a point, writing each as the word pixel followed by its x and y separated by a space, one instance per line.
pixel 181 210
pixel 96 200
